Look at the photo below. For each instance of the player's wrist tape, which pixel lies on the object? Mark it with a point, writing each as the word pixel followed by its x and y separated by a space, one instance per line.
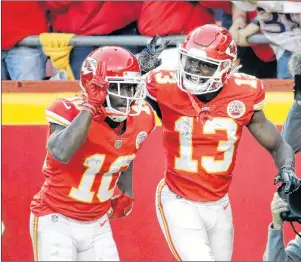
pixel 290 167
pixel 89 108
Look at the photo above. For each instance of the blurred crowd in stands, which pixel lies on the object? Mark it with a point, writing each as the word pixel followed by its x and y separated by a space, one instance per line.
pixel 165 18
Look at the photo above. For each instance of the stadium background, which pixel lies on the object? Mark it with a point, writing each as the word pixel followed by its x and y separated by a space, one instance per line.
pixel 138 236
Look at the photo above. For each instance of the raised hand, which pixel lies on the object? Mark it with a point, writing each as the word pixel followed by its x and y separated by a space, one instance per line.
pixel 149 56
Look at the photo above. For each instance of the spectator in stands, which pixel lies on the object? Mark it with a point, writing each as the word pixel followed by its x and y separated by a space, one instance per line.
pixel 275 250
pixel 280 21
pixel 225 7
pixel 92 18
pixel 19 20
pixel 291 130
pixel 172 18
pixel 256 59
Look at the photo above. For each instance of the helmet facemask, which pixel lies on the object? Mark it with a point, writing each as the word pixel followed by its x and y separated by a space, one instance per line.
pixel 123 94
pixel 199 74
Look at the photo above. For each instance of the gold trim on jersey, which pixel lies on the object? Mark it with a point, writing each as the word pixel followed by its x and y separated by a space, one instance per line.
pixel 165 224
pixel 35 237
pixel 54 118
pixel 259 105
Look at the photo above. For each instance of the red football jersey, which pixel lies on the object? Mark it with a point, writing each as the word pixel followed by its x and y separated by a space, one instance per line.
pixel 82 188
pixel 201 158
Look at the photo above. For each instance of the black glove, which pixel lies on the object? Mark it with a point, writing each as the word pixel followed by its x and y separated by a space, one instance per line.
pixel 288 176
pixel 148 58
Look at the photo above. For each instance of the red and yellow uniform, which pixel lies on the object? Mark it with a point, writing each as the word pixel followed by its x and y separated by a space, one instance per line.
pixel 201 158
pixel 82 188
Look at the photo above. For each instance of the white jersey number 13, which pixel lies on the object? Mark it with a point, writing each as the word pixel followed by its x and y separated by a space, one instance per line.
pixel 185 162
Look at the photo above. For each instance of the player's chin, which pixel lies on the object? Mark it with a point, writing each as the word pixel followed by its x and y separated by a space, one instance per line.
pixel 196 79
pixel 121 108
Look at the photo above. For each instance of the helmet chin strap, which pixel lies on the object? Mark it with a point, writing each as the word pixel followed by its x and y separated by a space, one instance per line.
pixel 235 70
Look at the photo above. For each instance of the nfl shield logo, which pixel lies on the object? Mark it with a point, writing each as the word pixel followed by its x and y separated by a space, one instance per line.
pixel 118 143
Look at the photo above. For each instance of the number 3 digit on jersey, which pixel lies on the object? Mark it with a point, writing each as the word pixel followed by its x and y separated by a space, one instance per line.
pixel 184 162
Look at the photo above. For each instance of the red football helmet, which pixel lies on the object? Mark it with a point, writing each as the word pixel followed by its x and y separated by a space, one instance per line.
pixel 207 59
pixel 122 68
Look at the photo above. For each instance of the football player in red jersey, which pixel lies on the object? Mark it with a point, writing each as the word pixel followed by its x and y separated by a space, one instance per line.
pixel 204 105
pixel 92 142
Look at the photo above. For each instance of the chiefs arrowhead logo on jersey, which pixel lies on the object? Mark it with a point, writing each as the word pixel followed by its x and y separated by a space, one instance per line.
pixel 236 109
pixel 140 138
